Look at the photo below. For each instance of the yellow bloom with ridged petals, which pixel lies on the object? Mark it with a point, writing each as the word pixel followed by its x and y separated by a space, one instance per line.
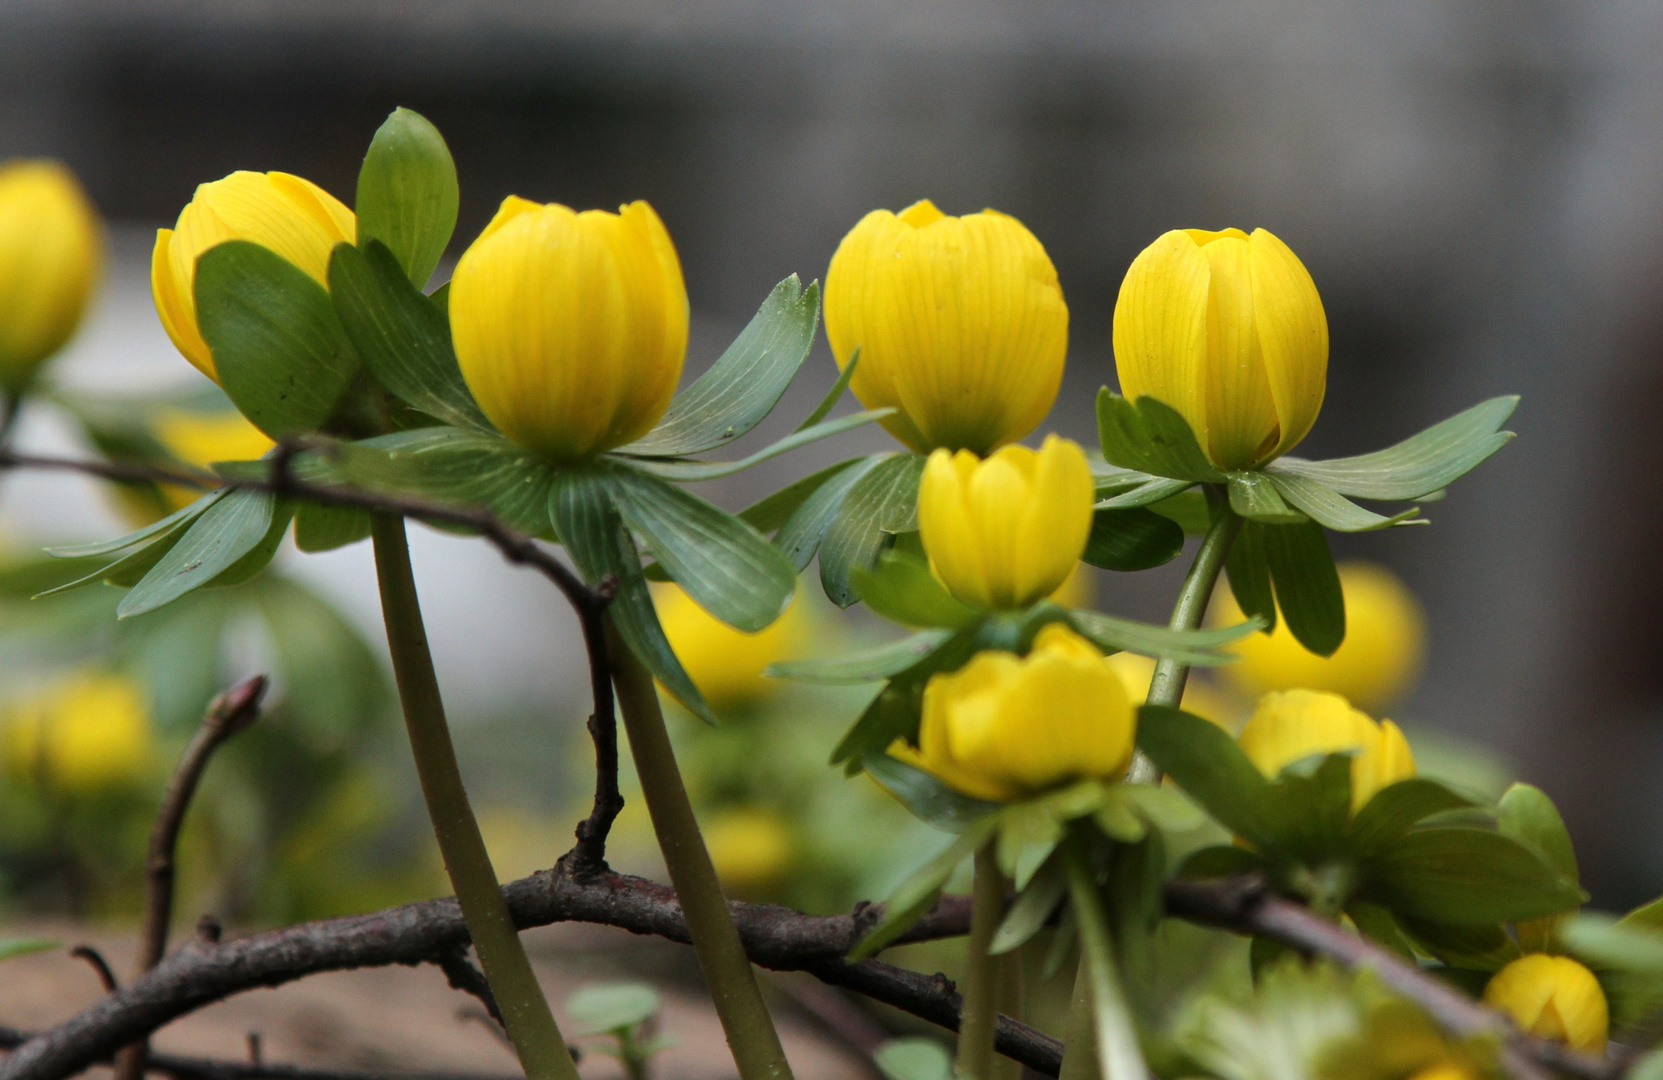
pixel 1005 727
pixel 1227 329
pixel 960 323
pixel 89 733
pixel 286 214
pixel 1553 997
pixel 1291 725
pixel 724 663
pixel 1005 532
pixel 51 252
pixel 570 328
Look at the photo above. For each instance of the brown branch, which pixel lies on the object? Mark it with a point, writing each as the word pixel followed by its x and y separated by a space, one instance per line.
pixel 99 965
pixel 588 856
pixel 462 975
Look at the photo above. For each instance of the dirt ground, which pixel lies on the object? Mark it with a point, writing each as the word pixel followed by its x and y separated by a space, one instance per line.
pixel 396 1020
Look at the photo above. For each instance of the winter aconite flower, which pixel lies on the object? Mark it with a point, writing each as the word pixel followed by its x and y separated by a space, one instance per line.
pixel 1291 725
pixel 1227 329
pixel 1385 639
pixel 1005 727
pixel 89 733
pixel 1553 997
pixel 570 328
pixel 285 214
pixel 726 664
pixel 51 251
pixel 960 324
pixel 753 849
pixel 1005 532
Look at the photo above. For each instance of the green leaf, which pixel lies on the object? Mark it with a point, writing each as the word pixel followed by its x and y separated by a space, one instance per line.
pixel 743 385
pixel 1614 943
pixel 913 1058
pixel 918 893
pixel 1397 807
pixel 893 713
pixel 223 534
pixel 1194 647
pixel 460 468
pixel 829 402
pixel 771 513
pixel 281 354
pixel 1248 568
pixel 1164 807
pixel 800 536
pixel 902 589
pixel 1152 437
pixel 600 1008
pixel 155 529
pixel 324 528
pixel 402 335
pixel 676 469
pixel 884 500
pixel 1153 491
pixel 1254 497
pixel 258 557
pixel 1307 585
pixel 727 567
pixel 867 665
pixel 1527 815
pixel 1221 861
pixel 929 799
pixel 1328 507
pixel 130 568
pixel 1418 465
pixel 1188 509
pixel 583 510
pixel 1033 906
pixel 1459 875
pixel 1205 761
pixel 14 947
pixel 1473 946
pixel 407 193
pixel 1311 802
pixel 1380 926
pixel 1130 540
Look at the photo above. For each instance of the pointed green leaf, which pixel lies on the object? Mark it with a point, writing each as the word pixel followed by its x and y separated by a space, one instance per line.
pixel 894 712
pixel 1188 509
pixel 686 471
pixel 1205 761
pixel 466 469
pixel 1248 569
pixel 1151 436
pixel 407 193
pixel 882 501
pixel 1307 585
pixel 915 1059
pixel 1328 507
pixel 14 947
pixel 1254 497
pixel 1527 815
pixel 1130 540
pixel 902 589
pixel 1033 906
pixel 1458 875
pixel 133 539
pixel 929 799
pixel 1194 647
pixel 223 534
pixel 258 557
pixel 829 402
pixel 771 513
pixel 803 531
pixel 867 665
pixel 1397 807
pixel 1151 492
pixel 325 528
pixel 918 893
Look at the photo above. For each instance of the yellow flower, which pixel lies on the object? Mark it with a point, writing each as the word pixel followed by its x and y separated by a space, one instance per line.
pixel 724 663
pixel 753 849
pixel 1291 725
pixel 1199 698
pixel 90 733
pixel 292 217
pixel 570 328
pixel 1385 641
pixel 1005 727
pixel 1446 1070
pixel 1553 997
pixel 51 252
pixel 960 324
pixel 1005 532
pixel 1227 329
pixel 201 439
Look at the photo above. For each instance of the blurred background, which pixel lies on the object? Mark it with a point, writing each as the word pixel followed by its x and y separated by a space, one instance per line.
pixel 1476 187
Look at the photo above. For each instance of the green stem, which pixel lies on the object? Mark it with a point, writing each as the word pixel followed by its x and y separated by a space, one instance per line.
pixel 980 1010
pixel 1119 1055
pixel 525 1011
pixel 1167 686
pixel 1079 1055
pixel 727 970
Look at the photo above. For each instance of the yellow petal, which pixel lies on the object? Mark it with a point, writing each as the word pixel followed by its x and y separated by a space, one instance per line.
pixel 1241 415
pixel 1160 327
pixel 1293 334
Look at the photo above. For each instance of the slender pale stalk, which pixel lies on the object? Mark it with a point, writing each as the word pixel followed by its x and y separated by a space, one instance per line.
pixel 980 1010
pixel 1079 1058
pixel 1118 1054
pixel 1012 1003
pixel 727 970
pixel 525 1011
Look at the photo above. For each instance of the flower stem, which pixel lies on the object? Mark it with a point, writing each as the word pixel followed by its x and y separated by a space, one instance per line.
pixel 1118 1053
pixel 981 980
pixel 525 1011
pixel 1079 1058
pixel 1167 686
pixel 727 970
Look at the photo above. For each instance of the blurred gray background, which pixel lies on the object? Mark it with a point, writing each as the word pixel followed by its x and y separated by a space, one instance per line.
pixel 1476 186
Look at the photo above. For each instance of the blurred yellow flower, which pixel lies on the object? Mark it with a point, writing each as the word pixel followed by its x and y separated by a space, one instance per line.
pixel 1290 725
pixel 89 733
pixel 1446 1070
pixel 292 217
pixel 752 848
pixel 724 663
pixel 51 253
pixel 1227 329
pixel 1375 666
pixel 1008 531
pixel 1005 727
pixel 200 439
pixel 960 324
pixel 1135 672
pixel 570 328
pixel 1553 997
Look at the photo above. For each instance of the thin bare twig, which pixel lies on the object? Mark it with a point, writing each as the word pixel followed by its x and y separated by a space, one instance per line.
pixel 588 856
pixel 99 965
pixel 462 975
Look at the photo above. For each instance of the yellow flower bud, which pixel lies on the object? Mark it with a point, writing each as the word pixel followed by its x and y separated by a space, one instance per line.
pixel 1291 725
pixel 960 324
pixel 570 328
pixel 1005 727
pixel 1376 665
pixel 1446 1070
pixel 90 733
pixel 727 664
pixel 1005 532
pixel 1553 997
pixel 1227 329
pixel 286 214
pixel 51 252
pixel 752 849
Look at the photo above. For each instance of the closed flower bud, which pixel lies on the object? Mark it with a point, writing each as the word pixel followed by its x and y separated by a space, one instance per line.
pixel 570 328
pixel 960 324
pixel 1374 667
pixel 1552 997
pixel 285 214
pixel 51 251
pixel 1227 329
pixel 1005 532
pixel 88 734
pixel 727 664
pixel 1291 725
pixel 1005 727
pixel 752 849
pixel 1446 1070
